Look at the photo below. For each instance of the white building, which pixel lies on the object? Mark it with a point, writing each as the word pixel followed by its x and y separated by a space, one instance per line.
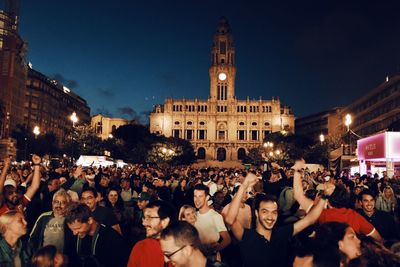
pixel 104 127
pixel 222 127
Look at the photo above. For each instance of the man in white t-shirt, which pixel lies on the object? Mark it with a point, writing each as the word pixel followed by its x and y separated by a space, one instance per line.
pixel 210 224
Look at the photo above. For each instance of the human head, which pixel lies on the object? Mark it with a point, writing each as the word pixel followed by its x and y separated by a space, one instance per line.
pixel 80 220
pixel 89 197
pixel 266 210
pixel 48 256
pixel 178 242
pixel 333 236
pixel 143 200
pixel 388 192
pixel 340 197
pixel 113 196
pixel 201 196
pixel 10 194
pixel 125 184
pixel 12 223
pixel 157 216
pixel 187 213
pixel 367 200
pixel 61 200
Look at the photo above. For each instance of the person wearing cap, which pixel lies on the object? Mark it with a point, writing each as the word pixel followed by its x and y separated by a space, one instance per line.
pixel 138 231
pixel 11 201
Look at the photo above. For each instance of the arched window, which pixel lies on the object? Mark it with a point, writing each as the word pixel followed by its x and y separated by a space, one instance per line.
pixel 177 123
pixel 241 153
pixel 254 123
pixel 201 153
pixel 241 123
pixel 221 154
pixel 113 128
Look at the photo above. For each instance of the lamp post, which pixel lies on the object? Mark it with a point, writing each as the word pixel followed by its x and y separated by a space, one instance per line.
pixel 321 138
pixel 74 120
pixel 36 131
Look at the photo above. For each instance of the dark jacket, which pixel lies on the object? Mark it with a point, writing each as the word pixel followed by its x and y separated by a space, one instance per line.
pixel 108 249
pixel 6 253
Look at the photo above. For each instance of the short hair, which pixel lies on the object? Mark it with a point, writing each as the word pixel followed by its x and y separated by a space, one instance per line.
pixel 165 209
pixel 90 189
pixel 182 211
pixel 6 218
pixel 340 197
pixel 62 193
pixel 45 257
pixel 202 187
pixel 264 198
pixel 183 233
pixel 365 192
pixel 78 212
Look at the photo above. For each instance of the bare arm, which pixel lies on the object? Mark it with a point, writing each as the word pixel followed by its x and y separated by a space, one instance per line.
pixel 230 216
pixel 30 192
pixel 226 240
pixel 305 203
pixel 3 175
pixel 314 214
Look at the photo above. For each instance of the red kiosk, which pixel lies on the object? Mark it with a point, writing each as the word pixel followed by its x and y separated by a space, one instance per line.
pixel 380 150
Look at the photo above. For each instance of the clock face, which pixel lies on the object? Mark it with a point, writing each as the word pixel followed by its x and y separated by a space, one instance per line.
pixel 222 76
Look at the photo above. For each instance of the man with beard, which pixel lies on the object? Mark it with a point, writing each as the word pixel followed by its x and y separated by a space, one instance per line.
pixel 267 245
pixel 157 216
pixel 10 200
pixel 94 244
pixel 50 228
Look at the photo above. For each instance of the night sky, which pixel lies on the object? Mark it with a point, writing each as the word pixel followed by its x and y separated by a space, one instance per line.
pixel 124 56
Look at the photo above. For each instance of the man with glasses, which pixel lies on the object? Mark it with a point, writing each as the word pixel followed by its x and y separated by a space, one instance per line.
pixel 50 228
pixel 180 244
pixel 157 216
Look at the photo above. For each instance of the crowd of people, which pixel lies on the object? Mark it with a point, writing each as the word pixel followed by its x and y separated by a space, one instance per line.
pixel 145 216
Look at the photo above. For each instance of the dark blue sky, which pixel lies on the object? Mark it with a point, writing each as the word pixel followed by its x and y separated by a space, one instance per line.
pixel 124 56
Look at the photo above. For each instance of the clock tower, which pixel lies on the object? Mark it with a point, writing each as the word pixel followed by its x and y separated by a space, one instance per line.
pixel 222 70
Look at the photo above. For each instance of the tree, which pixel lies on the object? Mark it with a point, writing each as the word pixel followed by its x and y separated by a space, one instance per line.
pixel 83 141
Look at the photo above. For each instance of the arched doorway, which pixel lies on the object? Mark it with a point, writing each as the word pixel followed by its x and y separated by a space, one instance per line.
pixel 241 153
pixel 201 153
pixel 221 154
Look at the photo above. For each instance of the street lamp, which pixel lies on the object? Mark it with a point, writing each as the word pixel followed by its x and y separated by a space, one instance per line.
pixel 36 131
pixel 321 138
pixel 110 136
pixel 74 120
pixel 268 144
pixel 348 121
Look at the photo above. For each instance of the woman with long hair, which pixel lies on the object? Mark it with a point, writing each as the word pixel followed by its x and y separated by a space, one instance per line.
pixel 187 213
pixel 337 244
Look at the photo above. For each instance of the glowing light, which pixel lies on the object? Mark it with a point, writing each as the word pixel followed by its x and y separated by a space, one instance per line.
pixel 66 90
pixel 271 153
pixel 164 150
pixel 36 131
pixel 348 120
pixel 222 76
pixel 74 118
pixel 321 138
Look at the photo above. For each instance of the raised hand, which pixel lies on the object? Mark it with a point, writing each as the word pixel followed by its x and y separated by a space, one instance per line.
pixel 299 165
pixel 250 180
pixel 78 172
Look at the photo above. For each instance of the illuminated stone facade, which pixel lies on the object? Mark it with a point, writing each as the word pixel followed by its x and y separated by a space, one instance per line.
pixel 222 127
pixel 105 127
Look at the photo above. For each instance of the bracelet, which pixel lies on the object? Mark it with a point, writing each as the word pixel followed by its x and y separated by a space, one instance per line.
pixel 323 196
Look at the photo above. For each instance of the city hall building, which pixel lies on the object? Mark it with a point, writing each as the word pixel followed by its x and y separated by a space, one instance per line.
pixel 221 127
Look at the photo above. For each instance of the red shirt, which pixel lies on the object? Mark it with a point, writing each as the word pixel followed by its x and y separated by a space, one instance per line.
pixel 349 216
pixel 147 253
pixel 20 207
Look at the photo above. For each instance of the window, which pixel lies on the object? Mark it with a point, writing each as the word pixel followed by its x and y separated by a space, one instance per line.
pixel 254 135
pixel 202 123
pixel 221 135
pixel 189 134
pixel 201 134
pixel 241 123
pixel 176 123
pixel 222 48
pixel 241 135
pixel 189 123
pixel 266 124
pixel 175 133
pixel 254 123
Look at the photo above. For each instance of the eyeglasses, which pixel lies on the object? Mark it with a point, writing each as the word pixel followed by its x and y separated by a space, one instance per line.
pixel 149 218
pixel 62 203
pixel 168 256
